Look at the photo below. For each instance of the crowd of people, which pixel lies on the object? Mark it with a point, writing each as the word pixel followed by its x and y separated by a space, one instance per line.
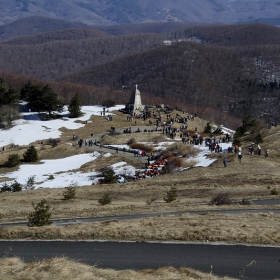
pixel 156 166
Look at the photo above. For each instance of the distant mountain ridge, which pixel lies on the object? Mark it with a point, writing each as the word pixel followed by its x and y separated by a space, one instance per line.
pixel 98 12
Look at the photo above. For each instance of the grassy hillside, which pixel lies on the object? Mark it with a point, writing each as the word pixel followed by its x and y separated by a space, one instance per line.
pixel 254 178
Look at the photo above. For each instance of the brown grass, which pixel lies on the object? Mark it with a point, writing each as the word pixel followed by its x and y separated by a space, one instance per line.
pixel 254 178
pixel 182 149
pixel 63 268
pixel 124 138
pixel 139 146
pixel 255 228
pixel 158 138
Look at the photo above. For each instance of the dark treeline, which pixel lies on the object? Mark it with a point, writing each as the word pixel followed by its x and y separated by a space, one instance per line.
pixel 34 25
pixel 157 27
pixel 59 35
pixel 92 95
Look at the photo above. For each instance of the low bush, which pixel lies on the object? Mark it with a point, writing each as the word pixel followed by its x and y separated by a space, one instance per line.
pixel 183 150
pixel 139 146
pixel 171 195
pixel 158 138
pixel 41 215
pixel 30 155
pixel 274 192
pixel 12 161
pixel 54 142
pixel 69 193
pixel 109 176
pixel 208 128
pixel 105 199
pixel 6 188
pixel 14 187
pixel 30 183
pixel 131 141
pixel 221 199
pixel 174 163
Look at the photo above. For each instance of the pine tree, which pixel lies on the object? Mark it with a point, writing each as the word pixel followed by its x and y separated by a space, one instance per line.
pixel 30 155
pixel 50 101
pixel 69 193
pixel 13 160
pixel 109 176
pixel 41 99
pixel 8 105
pixel 105 199
pixel 74 107
pixel 41 215
pixel 171 195
pixel 208 128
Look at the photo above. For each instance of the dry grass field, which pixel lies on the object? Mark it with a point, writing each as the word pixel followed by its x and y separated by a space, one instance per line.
pixel 254 178
pixel 62 268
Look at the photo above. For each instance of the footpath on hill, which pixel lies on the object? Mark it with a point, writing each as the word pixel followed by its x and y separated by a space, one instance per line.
pixel 98 146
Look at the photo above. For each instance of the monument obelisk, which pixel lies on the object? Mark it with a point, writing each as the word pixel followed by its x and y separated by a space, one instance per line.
pixel 135 105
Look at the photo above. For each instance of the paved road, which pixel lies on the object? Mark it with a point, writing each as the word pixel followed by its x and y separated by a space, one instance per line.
pixel 225 260
pixel 268 201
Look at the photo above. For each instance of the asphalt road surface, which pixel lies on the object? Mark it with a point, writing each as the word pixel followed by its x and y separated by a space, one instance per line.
pixel 225 260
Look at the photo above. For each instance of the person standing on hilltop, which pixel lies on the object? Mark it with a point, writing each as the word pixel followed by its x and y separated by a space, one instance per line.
pixel 239 156
pixel 225 162
pixel 266 153
pixel 259 150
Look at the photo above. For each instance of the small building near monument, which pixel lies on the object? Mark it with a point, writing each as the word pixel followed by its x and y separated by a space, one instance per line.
pixel 135 105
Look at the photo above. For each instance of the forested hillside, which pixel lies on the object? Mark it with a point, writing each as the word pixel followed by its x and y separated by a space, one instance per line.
pixel 34 25
pixel 52 60
pixel 58 35
pixel 233 69
pixel 190 73
pixel 231 35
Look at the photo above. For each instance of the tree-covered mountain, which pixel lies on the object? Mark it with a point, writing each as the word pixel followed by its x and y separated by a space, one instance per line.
pixel 227 68
pixel 227 79
pixel 99 12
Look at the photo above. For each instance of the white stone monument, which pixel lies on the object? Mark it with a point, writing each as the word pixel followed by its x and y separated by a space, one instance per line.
pixel 135 105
